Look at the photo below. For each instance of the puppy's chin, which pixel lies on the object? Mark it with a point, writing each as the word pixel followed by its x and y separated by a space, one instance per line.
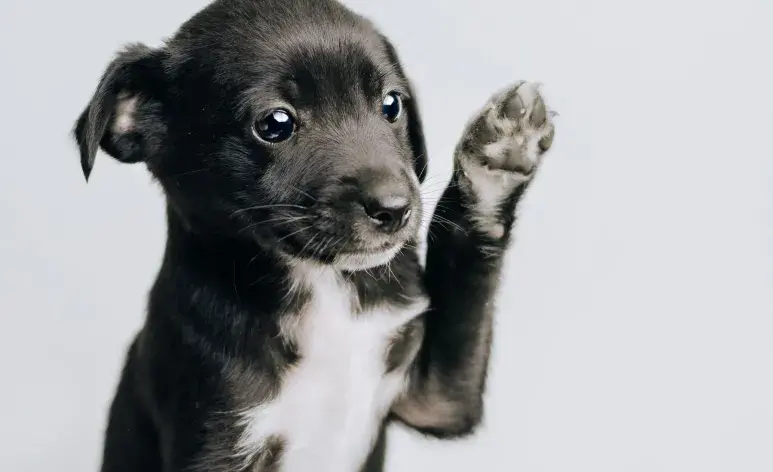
pixel 367 260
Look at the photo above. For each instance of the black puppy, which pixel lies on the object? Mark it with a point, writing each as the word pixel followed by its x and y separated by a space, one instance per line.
pixel 291 319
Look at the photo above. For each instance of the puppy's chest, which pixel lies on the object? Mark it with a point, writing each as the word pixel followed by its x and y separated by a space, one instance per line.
pixel 351 368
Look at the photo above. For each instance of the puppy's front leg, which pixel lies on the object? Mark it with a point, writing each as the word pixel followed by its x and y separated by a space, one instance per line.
pixel 495 161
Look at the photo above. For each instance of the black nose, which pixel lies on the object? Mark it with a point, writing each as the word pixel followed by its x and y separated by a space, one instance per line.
pixel 390 213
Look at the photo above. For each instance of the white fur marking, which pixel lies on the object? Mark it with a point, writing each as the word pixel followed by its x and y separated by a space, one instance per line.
pixel 490 187
pixel 124 114
pixel 332 403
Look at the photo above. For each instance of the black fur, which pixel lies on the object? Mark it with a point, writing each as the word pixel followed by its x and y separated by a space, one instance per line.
pixel 236 207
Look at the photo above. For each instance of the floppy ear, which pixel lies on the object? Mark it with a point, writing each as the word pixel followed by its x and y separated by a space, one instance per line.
pixel 124 115
pixel 416 136
pixel 415 130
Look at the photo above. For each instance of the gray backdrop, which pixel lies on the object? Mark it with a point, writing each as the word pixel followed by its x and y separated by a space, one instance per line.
pixel 635 329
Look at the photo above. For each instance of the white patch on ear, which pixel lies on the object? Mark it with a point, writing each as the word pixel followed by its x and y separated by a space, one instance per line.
pixel 124 113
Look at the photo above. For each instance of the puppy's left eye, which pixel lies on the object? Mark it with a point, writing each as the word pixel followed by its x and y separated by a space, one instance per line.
pixel 392 106
pixel 275 127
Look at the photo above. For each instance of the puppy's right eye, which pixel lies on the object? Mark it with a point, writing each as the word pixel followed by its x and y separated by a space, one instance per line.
pixel 275 127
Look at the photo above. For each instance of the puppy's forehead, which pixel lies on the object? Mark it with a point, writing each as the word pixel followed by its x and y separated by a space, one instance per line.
pixel 322 66
pixel 269 51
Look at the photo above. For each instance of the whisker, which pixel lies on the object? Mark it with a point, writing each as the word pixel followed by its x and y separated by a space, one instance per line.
pixel 343 246
pixel 303 193
pixel 389 268
pixel 293 233
pixel 438 203
pixel 426 190
pixel 432 195
pixel 435 179
pixel 333 244
pixel 319 247
pixel 414 247
pixel 445 221
pixel 433 188
pixel 280 220
pixel 426 162
pixel 309 242
pixel 265 207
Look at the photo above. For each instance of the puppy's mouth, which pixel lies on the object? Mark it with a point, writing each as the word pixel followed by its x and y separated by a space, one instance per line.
pixel 364 260
pixel 377 248
pixel 344 239
pixel 346 249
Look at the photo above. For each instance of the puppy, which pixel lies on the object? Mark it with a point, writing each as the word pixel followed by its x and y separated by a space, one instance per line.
pixel 291 320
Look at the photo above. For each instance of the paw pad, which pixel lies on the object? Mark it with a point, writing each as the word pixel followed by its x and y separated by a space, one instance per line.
pixel 513 132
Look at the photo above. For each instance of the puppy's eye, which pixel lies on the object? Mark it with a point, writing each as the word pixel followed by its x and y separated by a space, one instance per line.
pixel 276 127
pixel 392 106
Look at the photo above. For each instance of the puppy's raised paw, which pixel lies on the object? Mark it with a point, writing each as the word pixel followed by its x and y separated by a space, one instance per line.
pixel 503 145
pixel 511 133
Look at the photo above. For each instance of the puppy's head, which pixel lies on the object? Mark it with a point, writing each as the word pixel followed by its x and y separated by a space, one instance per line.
pixel 289 123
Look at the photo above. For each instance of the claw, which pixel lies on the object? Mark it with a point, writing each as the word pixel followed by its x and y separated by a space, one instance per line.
pixel 539 114
pixel 547 140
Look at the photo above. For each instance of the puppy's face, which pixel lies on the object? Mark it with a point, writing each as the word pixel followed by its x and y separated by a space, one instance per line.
pixel 293 126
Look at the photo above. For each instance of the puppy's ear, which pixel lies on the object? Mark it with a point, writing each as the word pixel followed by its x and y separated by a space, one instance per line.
pixel 415 130
pixel 416 136
pixel 124 115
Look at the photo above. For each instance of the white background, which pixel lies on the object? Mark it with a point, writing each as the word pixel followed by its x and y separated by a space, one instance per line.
pixel 635 330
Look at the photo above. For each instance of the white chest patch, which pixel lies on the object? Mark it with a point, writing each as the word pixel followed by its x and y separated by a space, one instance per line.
pixel 331 404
